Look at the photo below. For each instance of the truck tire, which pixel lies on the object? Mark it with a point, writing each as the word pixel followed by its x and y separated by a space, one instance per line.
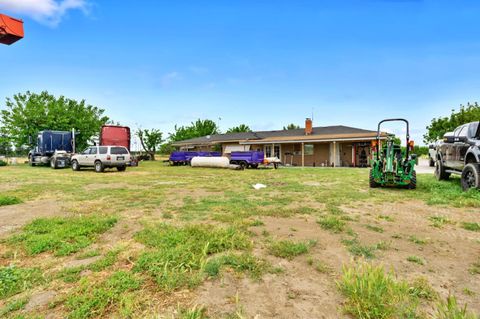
pixel 413 181
pixel 440 173
pixel 373 184
pixel 470 177
pixel 75 165
pixel 53 163
pixel 30 160
pixel 121 168
pixel 254 166
pixel 99 168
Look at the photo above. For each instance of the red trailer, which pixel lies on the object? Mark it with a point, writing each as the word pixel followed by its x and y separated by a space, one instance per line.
pixel 115 135
pixel 11 29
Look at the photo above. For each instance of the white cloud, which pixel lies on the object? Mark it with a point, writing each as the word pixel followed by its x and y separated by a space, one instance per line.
pixel 169 78
pixel 48 12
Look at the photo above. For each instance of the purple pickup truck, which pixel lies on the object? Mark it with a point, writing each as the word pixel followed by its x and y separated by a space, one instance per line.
pixel 247 159
pixel 184 157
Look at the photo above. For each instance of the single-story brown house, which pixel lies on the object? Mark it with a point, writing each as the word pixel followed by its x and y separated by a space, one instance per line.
pixel 312 146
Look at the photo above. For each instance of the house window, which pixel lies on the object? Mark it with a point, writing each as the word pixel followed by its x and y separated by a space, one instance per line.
pixel 276 151
pixel 308 149
pixel 268 150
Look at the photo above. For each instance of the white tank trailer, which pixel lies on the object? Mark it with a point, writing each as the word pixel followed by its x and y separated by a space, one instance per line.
pixel 212 162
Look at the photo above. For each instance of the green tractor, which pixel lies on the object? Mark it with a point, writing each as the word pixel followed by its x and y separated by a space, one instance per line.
pixel 391 166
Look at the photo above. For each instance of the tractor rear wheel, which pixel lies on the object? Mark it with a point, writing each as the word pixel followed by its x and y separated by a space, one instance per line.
pixel 373 184
pixel 413 181
pixel 470 177
pixel 440 173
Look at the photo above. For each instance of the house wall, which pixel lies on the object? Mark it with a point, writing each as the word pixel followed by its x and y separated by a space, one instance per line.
pixel 291 153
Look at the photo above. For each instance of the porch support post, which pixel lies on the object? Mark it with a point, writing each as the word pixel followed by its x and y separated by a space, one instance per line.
pixel 303 154
pixel 273 150
pixel 334 154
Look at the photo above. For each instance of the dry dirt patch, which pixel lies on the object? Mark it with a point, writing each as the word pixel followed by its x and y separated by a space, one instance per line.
pixel 15 216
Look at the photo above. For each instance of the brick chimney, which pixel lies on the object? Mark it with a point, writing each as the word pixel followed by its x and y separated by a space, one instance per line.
pixel 308 126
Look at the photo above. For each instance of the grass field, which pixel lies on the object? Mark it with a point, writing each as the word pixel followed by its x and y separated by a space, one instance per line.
pixel 179 242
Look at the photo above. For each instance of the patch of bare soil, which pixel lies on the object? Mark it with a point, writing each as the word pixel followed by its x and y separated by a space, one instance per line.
pixel 303 292
pixel 448 252
pixel 40 300
pixel 15 216
pixel 298 292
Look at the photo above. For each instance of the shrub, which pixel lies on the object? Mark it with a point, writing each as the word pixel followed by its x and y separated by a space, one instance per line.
pixel 3 163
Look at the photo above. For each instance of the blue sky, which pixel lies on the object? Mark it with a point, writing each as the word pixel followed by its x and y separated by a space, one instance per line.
pixel 155 64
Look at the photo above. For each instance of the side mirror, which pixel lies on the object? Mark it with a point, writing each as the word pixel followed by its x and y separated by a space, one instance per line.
pixel 449 137
pixel 431 146
pixel 462 139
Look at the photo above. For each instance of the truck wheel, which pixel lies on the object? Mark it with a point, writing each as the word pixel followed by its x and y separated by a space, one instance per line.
pixel 470 177
pixel 121 168
pixel 254 166
pixel 30 160
pixel 440 173
pixel 243 164
pixel 75 165
pixel 99 168
pixel 431 162
pixel 413 181
pixel 373 184
pixel 53 163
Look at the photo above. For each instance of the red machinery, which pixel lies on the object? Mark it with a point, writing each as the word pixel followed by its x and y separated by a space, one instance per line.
pixel 115 135
pixel 11 29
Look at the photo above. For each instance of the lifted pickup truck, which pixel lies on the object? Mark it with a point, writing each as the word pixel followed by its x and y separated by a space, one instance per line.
pixel 460 154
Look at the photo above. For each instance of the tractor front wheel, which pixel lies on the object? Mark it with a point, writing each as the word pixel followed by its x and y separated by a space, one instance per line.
pixel 373 184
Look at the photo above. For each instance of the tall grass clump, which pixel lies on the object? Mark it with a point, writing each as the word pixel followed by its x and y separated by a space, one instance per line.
pixel 449 309
pixel 14 279
pixel 373 293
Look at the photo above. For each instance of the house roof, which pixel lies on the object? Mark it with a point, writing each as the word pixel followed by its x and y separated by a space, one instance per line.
pixel 318 133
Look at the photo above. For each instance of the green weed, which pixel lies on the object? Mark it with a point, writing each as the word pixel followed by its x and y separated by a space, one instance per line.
pixel 388 218
pixel 359 250
pixel 107 261
pixel 374 228
pixel 15 279
pixel 96 299
pixel 62 236
pixel 178 254
pixel 70 274
pixel 421 288
pixel 475 268
pixel 439 221
pixel 416 260
pixel 372 293
pixel 290 249
pixel 471 226
pixel 449 309
pixel 9 200
pixel 332 223
pixel 245 262
pixel 419 241
pixel 195 312
pixel 13 306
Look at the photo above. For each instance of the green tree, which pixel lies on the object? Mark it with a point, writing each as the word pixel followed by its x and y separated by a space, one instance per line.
pixel 195 129
pixel 439 126
pixel 150 140
pixel 291 126
pixel 28 113
pixel 239 129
